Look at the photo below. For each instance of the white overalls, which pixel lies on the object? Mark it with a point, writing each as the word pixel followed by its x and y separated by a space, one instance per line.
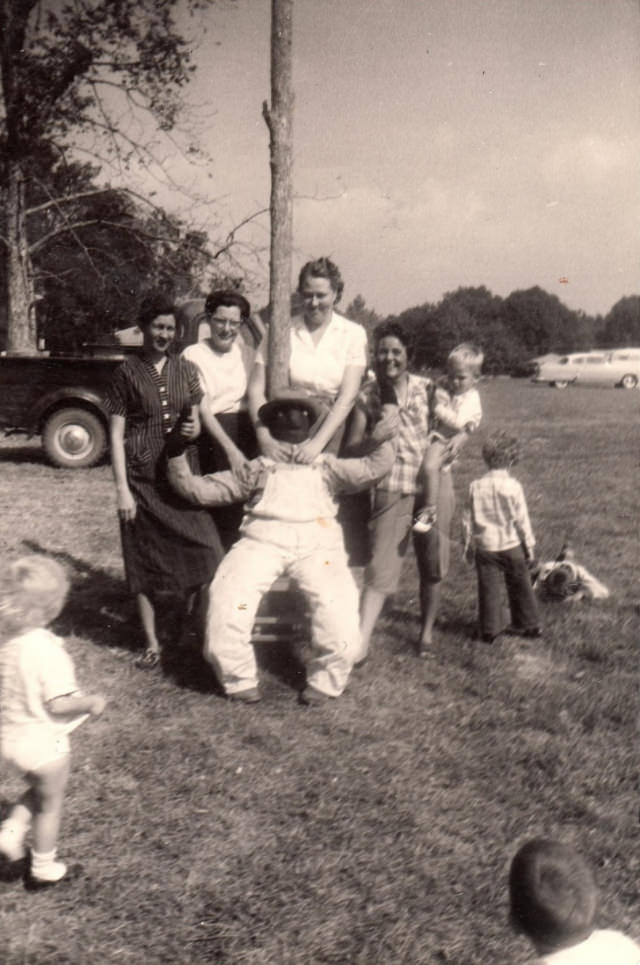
pixel 289 528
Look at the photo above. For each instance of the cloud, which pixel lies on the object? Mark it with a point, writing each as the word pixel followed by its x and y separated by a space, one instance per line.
pixel 591 160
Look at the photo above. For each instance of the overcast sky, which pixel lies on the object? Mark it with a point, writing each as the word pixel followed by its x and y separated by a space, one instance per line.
pixel 439 143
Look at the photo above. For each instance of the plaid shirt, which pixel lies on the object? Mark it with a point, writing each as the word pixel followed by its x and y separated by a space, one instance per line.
pixel 412 435
pixel 496 517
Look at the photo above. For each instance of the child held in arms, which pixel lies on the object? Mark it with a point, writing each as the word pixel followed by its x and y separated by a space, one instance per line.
pixel 289 528
pixel 553 902
pixel 39 705
pixel 455 413
pixel 500 541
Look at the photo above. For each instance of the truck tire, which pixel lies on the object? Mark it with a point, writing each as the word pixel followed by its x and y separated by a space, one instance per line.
pixel 74 438
pixel 628 381
pixel 559 384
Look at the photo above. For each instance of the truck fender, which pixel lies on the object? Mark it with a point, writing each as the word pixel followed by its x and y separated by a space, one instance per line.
pixel 71 396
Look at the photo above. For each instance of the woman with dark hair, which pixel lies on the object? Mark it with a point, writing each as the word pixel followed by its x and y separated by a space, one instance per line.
pixel 167 544
pixel 328 359
pixel 394 496
pixel 224 362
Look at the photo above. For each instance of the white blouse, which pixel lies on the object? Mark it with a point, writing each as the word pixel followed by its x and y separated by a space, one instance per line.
pixel 223 376
pixel 320 368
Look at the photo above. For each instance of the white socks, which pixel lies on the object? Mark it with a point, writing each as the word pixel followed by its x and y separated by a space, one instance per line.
pixel 45 868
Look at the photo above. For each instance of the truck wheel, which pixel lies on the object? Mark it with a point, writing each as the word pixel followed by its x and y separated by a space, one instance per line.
pixel 74 438
pixel 559 384
pixel 628 381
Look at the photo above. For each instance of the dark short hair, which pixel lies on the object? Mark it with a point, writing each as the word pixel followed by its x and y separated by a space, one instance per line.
pixel 552 894
pixel 393 330
pixel 154 303
pixel 501 450
pixel 228 299
pixel 322 268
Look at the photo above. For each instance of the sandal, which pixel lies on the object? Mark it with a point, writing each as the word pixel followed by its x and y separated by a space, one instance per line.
pixel 148 660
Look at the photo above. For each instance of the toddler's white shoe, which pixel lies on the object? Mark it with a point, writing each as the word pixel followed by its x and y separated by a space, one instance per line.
pixel 12 842
pixel 45 871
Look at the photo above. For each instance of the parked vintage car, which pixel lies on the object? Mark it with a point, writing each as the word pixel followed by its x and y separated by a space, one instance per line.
pixel 615 367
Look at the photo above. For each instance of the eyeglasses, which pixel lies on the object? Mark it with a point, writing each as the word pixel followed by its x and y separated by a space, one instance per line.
pixel 232 323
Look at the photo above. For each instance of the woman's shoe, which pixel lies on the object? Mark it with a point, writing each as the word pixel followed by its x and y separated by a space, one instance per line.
pixel 249 696
pixel 148 660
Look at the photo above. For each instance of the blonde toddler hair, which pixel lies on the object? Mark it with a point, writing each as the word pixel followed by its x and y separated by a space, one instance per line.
pixel 33 590
pixel 469 355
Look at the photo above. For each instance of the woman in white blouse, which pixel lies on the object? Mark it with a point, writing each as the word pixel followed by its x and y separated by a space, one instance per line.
pixel 328 359
pixel 224 362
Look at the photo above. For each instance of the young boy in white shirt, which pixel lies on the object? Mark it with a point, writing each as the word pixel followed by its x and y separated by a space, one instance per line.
pixel 553 902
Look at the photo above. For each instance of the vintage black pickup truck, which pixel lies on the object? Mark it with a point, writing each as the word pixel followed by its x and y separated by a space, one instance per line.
pixel 61 397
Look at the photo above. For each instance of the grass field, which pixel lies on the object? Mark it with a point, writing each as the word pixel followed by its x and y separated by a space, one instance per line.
pixel 375 830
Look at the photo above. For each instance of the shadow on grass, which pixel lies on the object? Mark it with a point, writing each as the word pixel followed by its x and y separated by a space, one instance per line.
pixel 189 669
pixel 100 609
pixel 406 623
pixel 280 660
pixel 98 606
pixel 26 451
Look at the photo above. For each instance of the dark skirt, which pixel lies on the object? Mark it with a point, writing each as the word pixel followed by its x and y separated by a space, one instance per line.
pixel 157 560
pixel 171 545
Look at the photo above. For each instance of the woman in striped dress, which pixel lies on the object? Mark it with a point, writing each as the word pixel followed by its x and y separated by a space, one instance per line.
pixel 167 544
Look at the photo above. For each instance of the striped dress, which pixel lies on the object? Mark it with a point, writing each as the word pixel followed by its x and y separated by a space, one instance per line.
pixel 170 545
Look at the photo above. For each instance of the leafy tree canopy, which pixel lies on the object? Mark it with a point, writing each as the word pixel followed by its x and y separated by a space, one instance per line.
pixel 82 73
pixel 510 330
pixel 622 324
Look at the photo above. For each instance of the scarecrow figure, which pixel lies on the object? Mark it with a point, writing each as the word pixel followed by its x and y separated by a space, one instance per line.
pixel 289 529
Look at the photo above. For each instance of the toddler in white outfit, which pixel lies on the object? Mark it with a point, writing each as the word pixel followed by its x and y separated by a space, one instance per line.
pixel 39 705
pixel 455 413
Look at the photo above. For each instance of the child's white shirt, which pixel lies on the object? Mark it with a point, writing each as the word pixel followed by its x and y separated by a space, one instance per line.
pixel 453 412
pixel 34 669
pixel 602 947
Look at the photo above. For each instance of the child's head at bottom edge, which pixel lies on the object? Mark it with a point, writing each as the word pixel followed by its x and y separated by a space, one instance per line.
pixel 552 895
pixel 33 590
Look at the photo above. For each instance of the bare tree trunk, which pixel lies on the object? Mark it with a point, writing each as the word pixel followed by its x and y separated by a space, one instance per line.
pixel 21 318
pixel 279 118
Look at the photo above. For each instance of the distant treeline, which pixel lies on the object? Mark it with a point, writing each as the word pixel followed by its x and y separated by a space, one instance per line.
pixel 510 330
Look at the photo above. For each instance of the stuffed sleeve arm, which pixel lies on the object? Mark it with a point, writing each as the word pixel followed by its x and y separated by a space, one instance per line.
pixel 352 475
pixel 218 489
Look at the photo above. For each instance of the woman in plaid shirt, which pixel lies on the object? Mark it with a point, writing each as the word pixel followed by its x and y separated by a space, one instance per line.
pixel 394 497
